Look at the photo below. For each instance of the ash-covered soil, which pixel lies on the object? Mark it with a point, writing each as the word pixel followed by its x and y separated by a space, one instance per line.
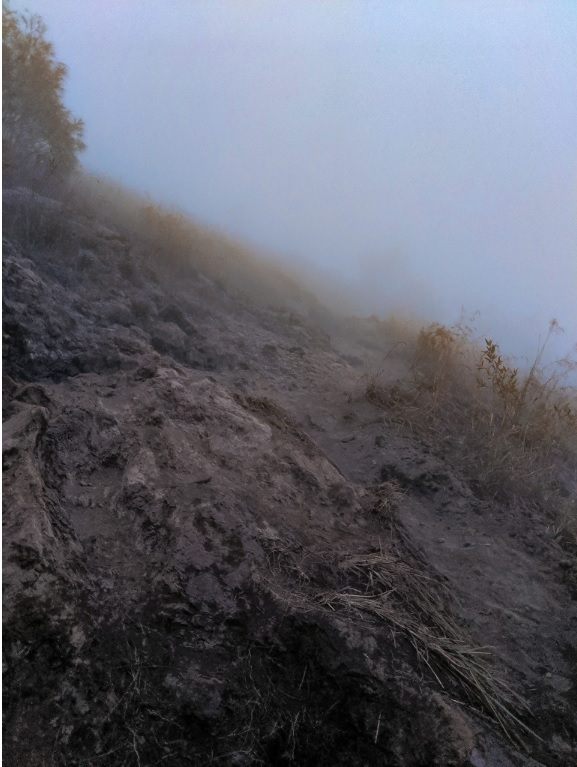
pixel 218 552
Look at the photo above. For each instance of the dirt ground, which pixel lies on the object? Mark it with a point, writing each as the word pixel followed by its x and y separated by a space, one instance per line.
pixel 217 551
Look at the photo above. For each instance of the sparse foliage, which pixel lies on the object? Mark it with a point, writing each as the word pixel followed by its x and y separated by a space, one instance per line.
pixel 513 433
pixel 503 378
pixel 40 138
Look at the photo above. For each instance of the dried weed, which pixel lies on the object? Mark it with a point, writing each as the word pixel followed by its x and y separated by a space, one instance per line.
pixel 514 434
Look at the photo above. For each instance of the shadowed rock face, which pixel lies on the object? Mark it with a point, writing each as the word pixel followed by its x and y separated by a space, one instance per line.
pixel 193 515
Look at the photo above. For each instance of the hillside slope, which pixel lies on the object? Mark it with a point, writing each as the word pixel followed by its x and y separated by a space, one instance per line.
pixel 218 551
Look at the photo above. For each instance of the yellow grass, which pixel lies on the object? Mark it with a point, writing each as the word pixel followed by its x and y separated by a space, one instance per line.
pixel 513 433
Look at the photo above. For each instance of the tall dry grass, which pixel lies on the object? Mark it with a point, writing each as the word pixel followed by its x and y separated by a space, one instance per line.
pixel 512 431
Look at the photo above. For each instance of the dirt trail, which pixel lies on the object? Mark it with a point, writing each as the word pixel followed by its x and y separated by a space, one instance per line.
pixel 216 551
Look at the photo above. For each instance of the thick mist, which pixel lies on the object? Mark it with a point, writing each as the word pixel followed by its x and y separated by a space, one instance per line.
pixel 410 157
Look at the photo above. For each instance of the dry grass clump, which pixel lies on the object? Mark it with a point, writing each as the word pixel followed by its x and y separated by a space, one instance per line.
pixel 388 496
pixel 514 433
pixel 394 585
pixel 415 602
pixel 176 244
pixel 170 239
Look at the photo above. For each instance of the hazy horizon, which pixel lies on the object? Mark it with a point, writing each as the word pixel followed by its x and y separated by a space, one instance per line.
pixel 422 156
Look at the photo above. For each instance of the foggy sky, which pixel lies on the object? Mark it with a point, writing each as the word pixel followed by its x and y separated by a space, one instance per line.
pixel 421 154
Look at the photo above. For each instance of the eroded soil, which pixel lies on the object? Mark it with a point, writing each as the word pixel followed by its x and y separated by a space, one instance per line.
pixel 216 551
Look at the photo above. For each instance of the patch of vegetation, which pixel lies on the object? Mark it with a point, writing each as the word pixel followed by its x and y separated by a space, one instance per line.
pixel 514 433
pixel 40 137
